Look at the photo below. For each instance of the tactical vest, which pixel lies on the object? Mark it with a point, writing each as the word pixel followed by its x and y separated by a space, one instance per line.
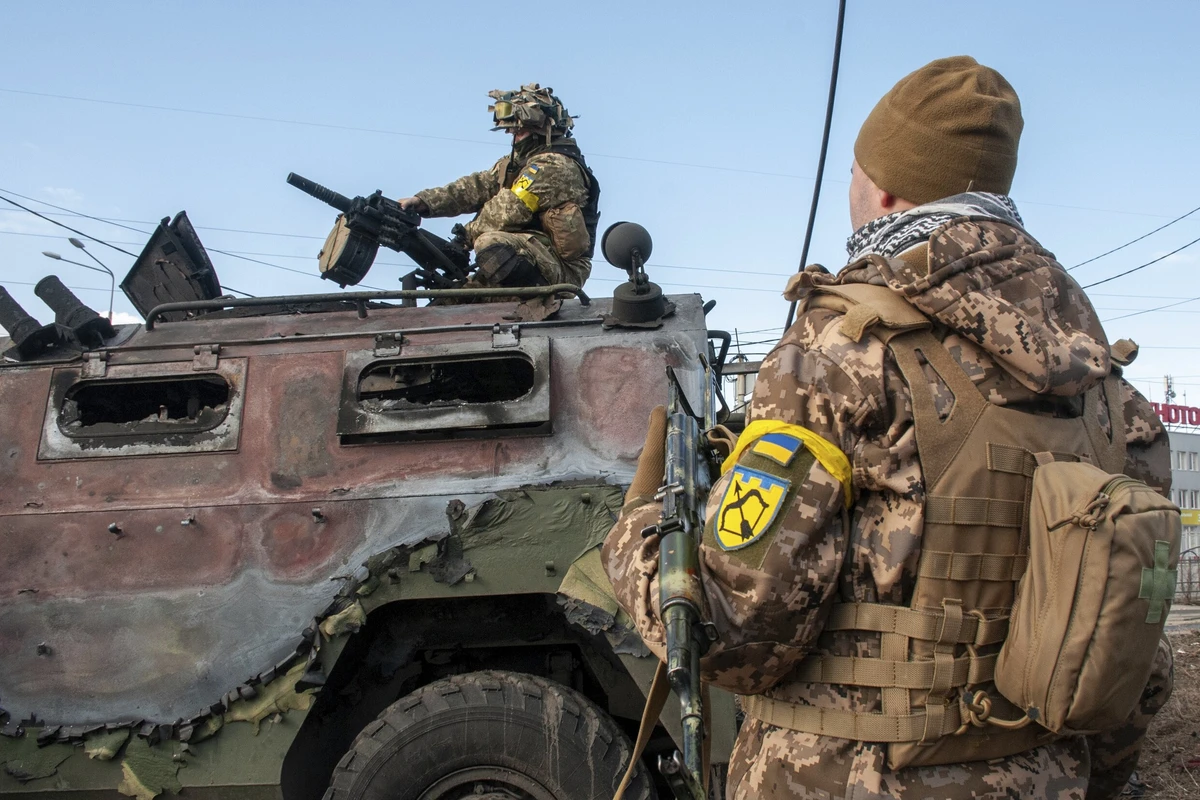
pixel 941 649
pixel 566 147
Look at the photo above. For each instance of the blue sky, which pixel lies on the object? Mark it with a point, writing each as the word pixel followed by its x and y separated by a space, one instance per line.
pixel 702 121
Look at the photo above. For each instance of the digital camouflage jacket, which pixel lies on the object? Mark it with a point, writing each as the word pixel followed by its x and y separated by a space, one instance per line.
pixel 543 198
pixel 1027 336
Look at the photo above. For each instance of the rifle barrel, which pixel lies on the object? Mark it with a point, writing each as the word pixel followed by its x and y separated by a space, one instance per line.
pixel 680 590
pixel 325 195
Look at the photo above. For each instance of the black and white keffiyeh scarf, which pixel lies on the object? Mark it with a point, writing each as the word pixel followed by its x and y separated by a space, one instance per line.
pixel 891 235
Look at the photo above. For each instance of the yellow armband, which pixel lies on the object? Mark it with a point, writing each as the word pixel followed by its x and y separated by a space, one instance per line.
pixel 780 441
pixel 521 187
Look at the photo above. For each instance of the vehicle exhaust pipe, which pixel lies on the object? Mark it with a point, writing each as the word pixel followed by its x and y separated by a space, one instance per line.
pixel 89 327
pixel 29 337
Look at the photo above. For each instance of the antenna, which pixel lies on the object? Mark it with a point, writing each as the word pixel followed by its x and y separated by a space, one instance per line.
pixel 812 211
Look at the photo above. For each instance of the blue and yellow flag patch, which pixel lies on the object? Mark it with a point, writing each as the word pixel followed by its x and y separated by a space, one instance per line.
pixel 779 447
pixel 751 502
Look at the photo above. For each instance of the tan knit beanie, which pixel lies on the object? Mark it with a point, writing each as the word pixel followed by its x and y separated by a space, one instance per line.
pixel 951 126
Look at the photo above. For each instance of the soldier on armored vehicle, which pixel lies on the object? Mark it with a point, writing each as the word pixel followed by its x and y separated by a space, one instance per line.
pixel 536 212
pixel 536 208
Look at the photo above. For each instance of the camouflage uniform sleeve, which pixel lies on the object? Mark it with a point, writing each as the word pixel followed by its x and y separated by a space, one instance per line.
pixel 1148 451
pixel 769 599
pixel 547 181
pixel 466 195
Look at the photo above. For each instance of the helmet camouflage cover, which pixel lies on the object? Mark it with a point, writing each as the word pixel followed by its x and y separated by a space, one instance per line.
pixel 531 107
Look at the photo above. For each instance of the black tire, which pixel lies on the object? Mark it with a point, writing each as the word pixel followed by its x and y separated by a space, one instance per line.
pixel 489 735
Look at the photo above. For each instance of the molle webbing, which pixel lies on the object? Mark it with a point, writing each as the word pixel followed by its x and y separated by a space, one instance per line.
pixel 951 566
pixel 974 511
pixel 934 673
pixel 856 725
pixel 880 673
pixel 1018 460
pixel 914 624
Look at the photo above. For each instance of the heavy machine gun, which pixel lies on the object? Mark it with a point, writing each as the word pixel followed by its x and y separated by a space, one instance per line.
pixel 365 223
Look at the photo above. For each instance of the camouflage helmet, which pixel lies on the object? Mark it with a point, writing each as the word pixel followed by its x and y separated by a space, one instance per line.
pixel 531 107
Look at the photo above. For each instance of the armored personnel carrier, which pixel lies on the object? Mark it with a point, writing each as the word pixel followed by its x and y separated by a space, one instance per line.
pixel 326 545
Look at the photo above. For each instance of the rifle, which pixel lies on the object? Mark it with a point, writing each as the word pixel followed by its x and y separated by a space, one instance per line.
pixel 685 489
pixel 368 222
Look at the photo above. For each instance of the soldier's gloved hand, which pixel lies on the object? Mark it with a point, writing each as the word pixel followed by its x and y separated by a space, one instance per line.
pixel 722 440
pixel 653 462
pixel 460 237
pixel 414 204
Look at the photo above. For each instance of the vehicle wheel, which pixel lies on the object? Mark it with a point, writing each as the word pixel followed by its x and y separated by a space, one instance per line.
pixel 489 736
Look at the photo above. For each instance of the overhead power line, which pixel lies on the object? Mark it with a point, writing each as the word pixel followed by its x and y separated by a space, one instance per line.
pixel 53 235
pixel 776 329
pixel 248 117
pixel 72 288
pixel 227 252
pixel 120 223
pixel 70 212
pixel 148 222
pixel 68 227
pixel 1137 311
pixel 1134 241
pixel 1142 266
pixel 1133 296
pixel 127 227
pixel 1151 310
pixel 106 291
pixel 687 287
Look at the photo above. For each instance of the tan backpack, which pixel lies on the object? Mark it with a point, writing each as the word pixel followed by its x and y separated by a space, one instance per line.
pixel 940 664
pixel 1092 605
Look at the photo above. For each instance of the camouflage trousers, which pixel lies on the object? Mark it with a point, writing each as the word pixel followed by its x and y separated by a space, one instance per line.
pixel 770 762
pixel 1115 753
pixel 535 247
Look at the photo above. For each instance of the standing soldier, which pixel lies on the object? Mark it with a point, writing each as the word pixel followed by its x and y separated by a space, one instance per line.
pixel 536 209
pixel 863 544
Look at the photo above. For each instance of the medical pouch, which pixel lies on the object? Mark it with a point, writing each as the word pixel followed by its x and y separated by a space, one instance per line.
pixel 1092 604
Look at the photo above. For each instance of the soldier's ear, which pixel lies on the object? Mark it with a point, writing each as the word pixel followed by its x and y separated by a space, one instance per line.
pixel 890 203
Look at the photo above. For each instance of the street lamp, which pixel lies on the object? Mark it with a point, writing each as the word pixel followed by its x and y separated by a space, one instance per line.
pixel 112 278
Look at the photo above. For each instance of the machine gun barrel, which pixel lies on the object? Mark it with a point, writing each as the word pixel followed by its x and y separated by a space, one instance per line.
pixel 322 193
pixel 368 223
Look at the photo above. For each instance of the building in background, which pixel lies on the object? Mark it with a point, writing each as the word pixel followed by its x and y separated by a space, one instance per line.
pixel 1185 482
pixel 1183 427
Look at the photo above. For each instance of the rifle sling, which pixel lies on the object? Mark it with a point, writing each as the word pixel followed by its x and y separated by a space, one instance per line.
pixel 656 699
